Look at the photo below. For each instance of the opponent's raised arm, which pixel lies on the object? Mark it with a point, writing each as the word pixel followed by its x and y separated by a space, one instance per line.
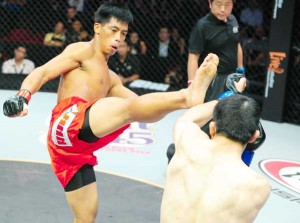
pixel 64 62
pixel 188 126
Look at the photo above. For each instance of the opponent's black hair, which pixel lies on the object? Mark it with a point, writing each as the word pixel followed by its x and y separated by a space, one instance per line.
pixel 117 10
pixel 237 117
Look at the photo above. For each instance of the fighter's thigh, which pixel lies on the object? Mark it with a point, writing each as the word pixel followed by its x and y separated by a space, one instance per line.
pixel 108 115
pixel 84 201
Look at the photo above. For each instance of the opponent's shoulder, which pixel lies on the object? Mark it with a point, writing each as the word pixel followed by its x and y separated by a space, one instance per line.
pixel 256 183
pixel 259 182
pixel 191 140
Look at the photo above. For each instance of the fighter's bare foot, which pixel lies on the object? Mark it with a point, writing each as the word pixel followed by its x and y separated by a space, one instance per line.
pixel 204 75
pixel 208 68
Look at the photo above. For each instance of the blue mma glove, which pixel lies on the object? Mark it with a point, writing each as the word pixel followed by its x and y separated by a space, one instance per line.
pixel 225 94
pixel 247 157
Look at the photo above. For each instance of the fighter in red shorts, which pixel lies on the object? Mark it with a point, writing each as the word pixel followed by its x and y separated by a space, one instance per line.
pixel 94 107
pixel 72 142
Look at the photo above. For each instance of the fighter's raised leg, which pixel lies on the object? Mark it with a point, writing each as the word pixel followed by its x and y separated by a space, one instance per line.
pixel 109 114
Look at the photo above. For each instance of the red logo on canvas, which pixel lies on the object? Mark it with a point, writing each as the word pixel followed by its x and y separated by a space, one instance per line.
pixel 285 172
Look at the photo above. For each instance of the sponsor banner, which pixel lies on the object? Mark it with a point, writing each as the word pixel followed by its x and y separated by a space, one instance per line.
pixel 279 50
pixel 284 172
pixel 276 59
pixel 135 139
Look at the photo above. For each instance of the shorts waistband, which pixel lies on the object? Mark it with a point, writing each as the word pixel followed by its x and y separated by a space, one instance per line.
pixel 67 102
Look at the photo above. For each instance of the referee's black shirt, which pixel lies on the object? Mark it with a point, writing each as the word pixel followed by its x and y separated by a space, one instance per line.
pixel 211 35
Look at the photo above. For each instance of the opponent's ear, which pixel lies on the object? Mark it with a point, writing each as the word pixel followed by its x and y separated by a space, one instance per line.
pixel 254 137
pixel 212 129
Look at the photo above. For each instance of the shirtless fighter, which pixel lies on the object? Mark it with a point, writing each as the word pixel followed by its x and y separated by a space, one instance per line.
pixel 93 107
pixel 207 181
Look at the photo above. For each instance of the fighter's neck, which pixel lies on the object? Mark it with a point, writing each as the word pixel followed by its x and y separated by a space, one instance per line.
pixel 98 51
pixel 226 145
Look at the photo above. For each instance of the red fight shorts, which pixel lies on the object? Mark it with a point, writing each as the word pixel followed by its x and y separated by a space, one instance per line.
pixel 68 154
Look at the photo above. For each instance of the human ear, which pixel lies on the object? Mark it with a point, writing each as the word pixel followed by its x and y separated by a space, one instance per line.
pixel 212 129
pixel 254 137
pixel 97 27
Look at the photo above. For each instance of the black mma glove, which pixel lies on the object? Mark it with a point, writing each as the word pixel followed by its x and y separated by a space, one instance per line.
pixel 248 153
pixel 230 81
pixel 17 103
pixel 229 85
pixel 259 141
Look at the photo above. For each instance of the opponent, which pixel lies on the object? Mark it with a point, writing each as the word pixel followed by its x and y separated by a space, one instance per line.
pixel 94 107
pixel 207 181
pixel 235 83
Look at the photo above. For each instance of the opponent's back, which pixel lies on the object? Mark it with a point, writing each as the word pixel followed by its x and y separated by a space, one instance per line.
pixel 205 184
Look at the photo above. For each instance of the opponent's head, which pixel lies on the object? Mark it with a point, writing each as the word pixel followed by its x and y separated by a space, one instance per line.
pixel 111 26
pixel 221 8
pixel 237 118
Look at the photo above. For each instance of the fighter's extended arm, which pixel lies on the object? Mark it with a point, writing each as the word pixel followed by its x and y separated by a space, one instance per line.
pixel 68 60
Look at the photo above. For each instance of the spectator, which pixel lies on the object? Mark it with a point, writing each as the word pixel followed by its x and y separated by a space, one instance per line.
pixel 253 34
pixel 18 64
pixel 175 78
pixel 179 40
pixel 1 56
pixel 70 17
pixel 56 38
pixel 126 65
pixel 217 32
pixel 77 33
pixel 14 5
pixel 77 4
pixel 138 46
pixel 252 20
pixel 163 56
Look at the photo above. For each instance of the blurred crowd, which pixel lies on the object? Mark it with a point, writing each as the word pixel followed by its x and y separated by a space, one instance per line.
pixel 156 49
